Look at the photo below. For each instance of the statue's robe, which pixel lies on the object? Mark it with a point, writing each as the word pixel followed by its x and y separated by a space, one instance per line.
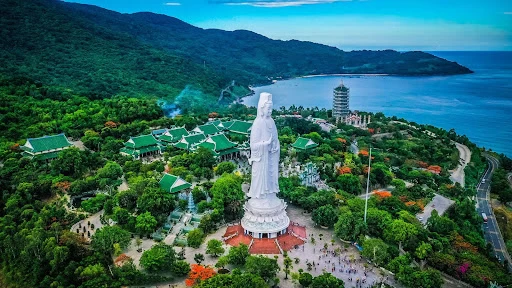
pixel 264 158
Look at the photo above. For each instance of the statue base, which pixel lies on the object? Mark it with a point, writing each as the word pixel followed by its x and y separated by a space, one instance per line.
pixel 265 217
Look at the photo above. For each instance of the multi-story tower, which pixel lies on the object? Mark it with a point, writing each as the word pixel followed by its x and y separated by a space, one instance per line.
pixel 340 101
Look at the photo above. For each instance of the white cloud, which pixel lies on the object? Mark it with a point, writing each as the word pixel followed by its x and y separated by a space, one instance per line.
pixel 172 4
pixel 277 3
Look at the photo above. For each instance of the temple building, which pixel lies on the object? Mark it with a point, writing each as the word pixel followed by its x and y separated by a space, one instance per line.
pixel 240 127
pixel 46 147
pixel 142 146
pixel 303 144
pixel 356 120
pixel 158 132
pixel 173 135
pixel 219 124
pixel 174 184
pixel 221 147
pixel 309 175
pixel 206 129
pixel 340 105
pixel 190 141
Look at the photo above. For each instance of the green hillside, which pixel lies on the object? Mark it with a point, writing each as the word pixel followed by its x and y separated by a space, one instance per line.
pixel 44 41
pixel 254 58
pixel 99 53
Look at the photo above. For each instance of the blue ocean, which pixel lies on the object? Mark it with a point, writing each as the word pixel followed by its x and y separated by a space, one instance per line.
pixel 478 105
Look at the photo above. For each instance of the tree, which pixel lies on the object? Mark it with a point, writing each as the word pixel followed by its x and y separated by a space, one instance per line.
pixel 70 162
pixel 263 266
pixel 399 231
pixel 225 167
pixel 305 279
pixel 287 266
pixel 198 257
pixel 350 183
pixel 377 220
pixel 349 225
pixel 198 274
pixel 207 224
pixel 160 257
pixel 157 202
pixel 326 215
pixel 380 174
pixel 222 262
pixel 145 223
pixel 234 281
pixel 228 196
pixel 327 280
pixel 109 174
pixel 376 250
pixel 105 238
pixel 422 252
pixel 237 255
pixel 121 215
pixel 204 158
pixel 195 238
pixel 214 247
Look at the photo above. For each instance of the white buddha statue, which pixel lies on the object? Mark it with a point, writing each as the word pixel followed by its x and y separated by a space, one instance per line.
pixel 264 152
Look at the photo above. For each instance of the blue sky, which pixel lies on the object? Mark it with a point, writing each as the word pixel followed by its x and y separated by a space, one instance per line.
pixel 429 25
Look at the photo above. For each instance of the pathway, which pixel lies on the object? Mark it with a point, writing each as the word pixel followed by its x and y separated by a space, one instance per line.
pixel 83 228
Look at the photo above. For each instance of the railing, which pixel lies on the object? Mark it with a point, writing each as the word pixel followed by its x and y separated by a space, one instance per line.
pixel 250 244
pixel 278 246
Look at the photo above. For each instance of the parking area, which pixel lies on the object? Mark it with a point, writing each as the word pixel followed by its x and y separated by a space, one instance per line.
pixel 439 203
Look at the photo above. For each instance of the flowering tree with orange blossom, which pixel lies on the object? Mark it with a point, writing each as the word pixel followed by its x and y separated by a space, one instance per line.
pixel 110 124
pixel 344 170
pixel 382 194
pixel 199 273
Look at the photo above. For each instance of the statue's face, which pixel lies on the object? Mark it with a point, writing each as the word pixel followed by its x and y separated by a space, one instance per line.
pixel 267 109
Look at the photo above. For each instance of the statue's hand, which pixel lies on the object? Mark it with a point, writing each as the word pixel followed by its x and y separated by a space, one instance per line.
pixel 268 141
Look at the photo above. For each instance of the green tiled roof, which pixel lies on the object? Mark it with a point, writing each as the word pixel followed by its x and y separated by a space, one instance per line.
pixel 46 143
pixel 241 127
pixel 129 151
pixel 228 151
pixel 173 184
pixel 342 88
pixel 304 143
pixel 217 143
pixel 141 141
pixel 174 135
pixel 227 124
pixel 46 156
pixel 217 124
pixel 207 129
pixel 189 141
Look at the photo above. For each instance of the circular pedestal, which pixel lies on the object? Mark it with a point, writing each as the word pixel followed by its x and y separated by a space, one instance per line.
pixel 265 218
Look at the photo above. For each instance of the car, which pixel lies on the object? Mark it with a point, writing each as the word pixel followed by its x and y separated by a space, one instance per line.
pixel 420 218
pixel 483 181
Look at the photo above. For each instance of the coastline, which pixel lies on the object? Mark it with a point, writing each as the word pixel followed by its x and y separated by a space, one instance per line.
pixel 339 74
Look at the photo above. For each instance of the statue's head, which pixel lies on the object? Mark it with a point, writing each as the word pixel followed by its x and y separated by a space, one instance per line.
pixel 265 105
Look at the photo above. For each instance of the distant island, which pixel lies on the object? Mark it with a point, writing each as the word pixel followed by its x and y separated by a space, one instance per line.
pixel 100 53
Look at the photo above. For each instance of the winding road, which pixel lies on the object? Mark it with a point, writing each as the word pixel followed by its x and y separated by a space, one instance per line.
pixel 492 232
pixel 464 157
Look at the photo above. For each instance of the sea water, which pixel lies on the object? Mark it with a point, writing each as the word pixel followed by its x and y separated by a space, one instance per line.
pixel 477 105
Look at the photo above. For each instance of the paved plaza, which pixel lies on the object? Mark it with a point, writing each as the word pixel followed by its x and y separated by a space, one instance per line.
pixel 439 203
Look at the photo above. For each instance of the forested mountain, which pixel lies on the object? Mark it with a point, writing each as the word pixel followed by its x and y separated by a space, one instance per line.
pixel 251 57
pixel 46 41
pixel 99 53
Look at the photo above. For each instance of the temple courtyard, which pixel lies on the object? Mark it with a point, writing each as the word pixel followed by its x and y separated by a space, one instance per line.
pixel 347 266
